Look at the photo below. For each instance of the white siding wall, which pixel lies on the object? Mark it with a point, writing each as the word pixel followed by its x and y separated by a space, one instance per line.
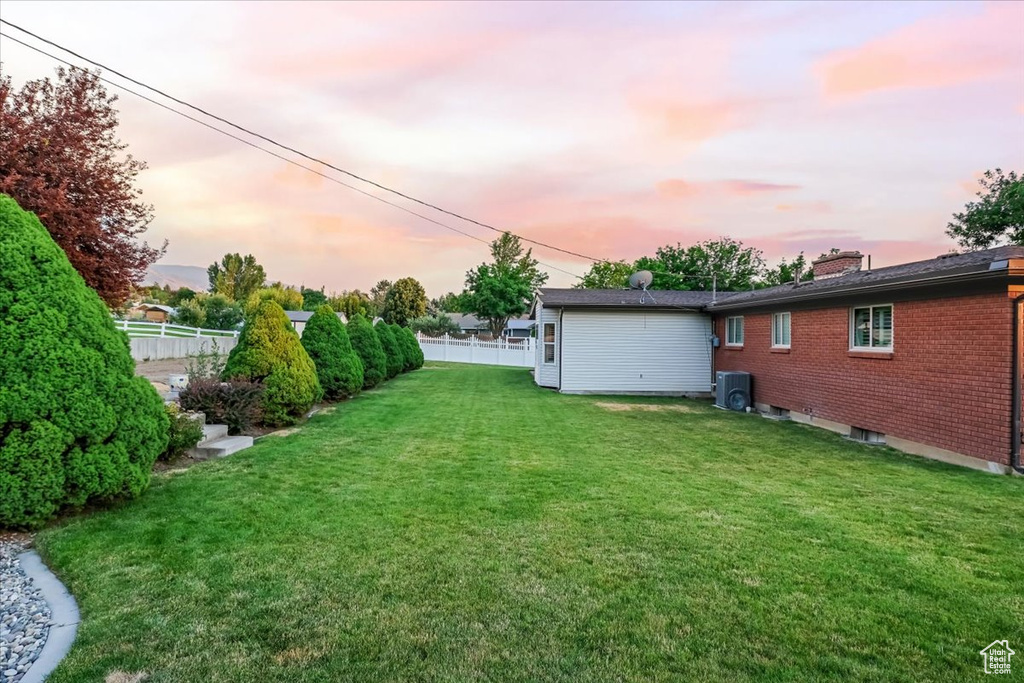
pixel 546 374
pixel 636 352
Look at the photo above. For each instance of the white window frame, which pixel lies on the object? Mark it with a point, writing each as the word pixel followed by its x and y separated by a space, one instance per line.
pixel 777 319
pixel 871 321
pixel 730 323
pixel 545 343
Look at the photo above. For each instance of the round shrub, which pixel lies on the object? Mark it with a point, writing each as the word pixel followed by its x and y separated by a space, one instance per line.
pixel 269 352
pixel 403 346
pixel 337 366
pixel 76 425
pixel 367 346
pixel 185 433
pixel 411 346
pixel 395 359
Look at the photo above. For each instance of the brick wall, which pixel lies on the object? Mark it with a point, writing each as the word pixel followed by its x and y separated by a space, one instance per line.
pixel 946 384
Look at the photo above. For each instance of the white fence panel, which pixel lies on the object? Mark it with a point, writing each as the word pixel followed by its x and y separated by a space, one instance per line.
pixel 516 353
pixel 144 328
pixel 162 348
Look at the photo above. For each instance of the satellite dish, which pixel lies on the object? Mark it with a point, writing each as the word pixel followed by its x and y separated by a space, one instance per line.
pixel 641 279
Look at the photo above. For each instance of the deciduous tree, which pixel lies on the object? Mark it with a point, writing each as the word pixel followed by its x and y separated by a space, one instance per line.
pixel 289 298
pixel 405 300
pixel 312 299
pixel 723 263
pixel 504 288
pixel 351 303
pixel 236 277
pixel 996 218
pixel 606 275
pixel 61 159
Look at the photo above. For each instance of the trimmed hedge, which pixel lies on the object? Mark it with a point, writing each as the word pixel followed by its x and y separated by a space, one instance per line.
pixel 395 359
pixel 367 346
pixel 76 425
pixel 411 347
pixel 337 366
pixel 269 352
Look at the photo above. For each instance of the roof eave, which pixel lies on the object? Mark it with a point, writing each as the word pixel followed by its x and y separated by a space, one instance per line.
pixel 796 296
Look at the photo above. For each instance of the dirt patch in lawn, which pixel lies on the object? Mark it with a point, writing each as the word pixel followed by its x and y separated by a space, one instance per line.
pixel 646 407
pixel 285 432
pixel 124 677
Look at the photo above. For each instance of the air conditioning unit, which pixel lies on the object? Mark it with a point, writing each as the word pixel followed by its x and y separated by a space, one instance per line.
pixel 732 390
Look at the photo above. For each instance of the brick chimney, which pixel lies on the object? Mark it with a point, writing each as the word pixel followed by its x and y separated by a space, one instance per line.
pixel 834 265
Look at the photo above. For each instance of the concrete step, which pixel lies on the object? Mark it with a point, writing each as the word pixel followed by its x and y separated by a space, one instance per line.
pixel 212 433
pixel 218 448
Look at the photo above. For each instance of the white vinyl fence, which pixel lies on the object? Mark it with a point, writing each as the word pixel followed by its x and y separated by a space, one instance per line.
pixel 162 348
pixel 514 352
pixel 142 328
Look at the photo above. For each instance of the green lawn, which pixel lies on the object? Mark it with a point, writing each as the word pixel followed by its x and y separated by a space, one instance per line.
pixel 462 524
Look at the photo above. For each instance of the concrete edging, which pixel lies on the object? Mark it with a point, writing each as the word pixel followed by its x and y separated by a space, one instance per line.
pixel 63 613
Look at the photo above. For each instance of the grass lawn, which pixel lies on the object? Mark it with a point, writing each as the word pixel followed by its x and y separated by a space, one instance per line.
pixel 462 524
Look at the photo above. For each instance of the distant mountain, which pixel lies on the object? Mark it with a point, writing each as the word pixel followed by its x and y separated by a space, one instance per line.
pixel 193 277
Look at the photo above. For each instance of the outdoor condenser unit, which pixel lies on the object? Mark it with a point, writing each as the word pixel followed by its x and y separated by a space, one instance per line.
pixel 732 390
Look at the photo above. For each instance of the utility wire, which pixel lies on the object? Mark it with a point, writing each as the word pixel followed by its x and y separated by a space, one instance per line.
pixel 292 149
pixel 271 152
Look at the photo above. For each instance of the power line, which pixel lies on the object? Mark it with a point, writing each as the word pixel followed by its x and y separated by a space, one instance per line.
pixel 268 151
pixel 293 150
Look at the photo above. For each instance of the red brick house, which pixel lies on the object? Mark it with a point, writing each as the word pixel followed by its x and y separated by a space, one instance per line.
pixel 923 356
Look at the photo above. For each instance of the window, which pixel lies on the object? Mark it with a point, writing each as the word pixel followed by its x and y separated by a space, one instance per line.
pixel 780 330
pixel 871 328
pixel 549 342
pixel 734 331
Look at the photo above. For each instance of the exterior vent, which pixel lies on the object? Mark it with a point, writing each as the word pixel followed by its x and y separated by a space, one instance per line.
pixel 866 436
pixel 732 390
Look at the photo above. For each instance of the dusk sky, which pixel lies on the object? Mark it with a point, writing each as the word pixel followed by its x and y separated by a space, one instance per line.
pixel 604 128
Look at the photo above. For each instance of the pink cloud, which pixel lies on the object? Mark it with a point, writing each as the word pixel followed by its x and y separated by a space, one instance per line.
pixel 805 207
pixel 675 188
pixel 694 121
pixel 941 51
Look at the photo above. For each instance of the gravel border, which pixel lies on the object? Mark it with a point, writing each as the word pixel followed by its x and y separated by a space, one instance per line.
pixel 64 617
pixel 24 614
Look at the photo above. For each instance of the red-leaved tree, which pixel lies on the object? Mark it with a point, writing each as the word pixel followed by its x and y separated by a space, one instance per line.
pixel 61 159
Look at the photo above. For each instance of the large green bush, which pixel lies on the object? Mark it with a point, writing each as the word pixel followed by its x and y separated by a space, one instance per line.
pixel 367 346
pixel 269 352
pixel 337 366
pixel 411 348
pixel 76 424
pixel 395 359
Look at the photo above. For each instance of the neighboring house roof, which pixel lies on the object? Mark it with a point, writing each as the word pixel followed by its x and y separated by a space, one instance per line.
pixel 625 298
pixel 943 269
pixel 156 307
pixel 304 316
pixel 467 321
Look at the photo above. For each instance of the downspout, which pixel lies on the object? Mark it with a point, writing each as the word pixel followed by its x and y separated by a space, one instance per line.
pixel 1016 384
pixel 559 347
